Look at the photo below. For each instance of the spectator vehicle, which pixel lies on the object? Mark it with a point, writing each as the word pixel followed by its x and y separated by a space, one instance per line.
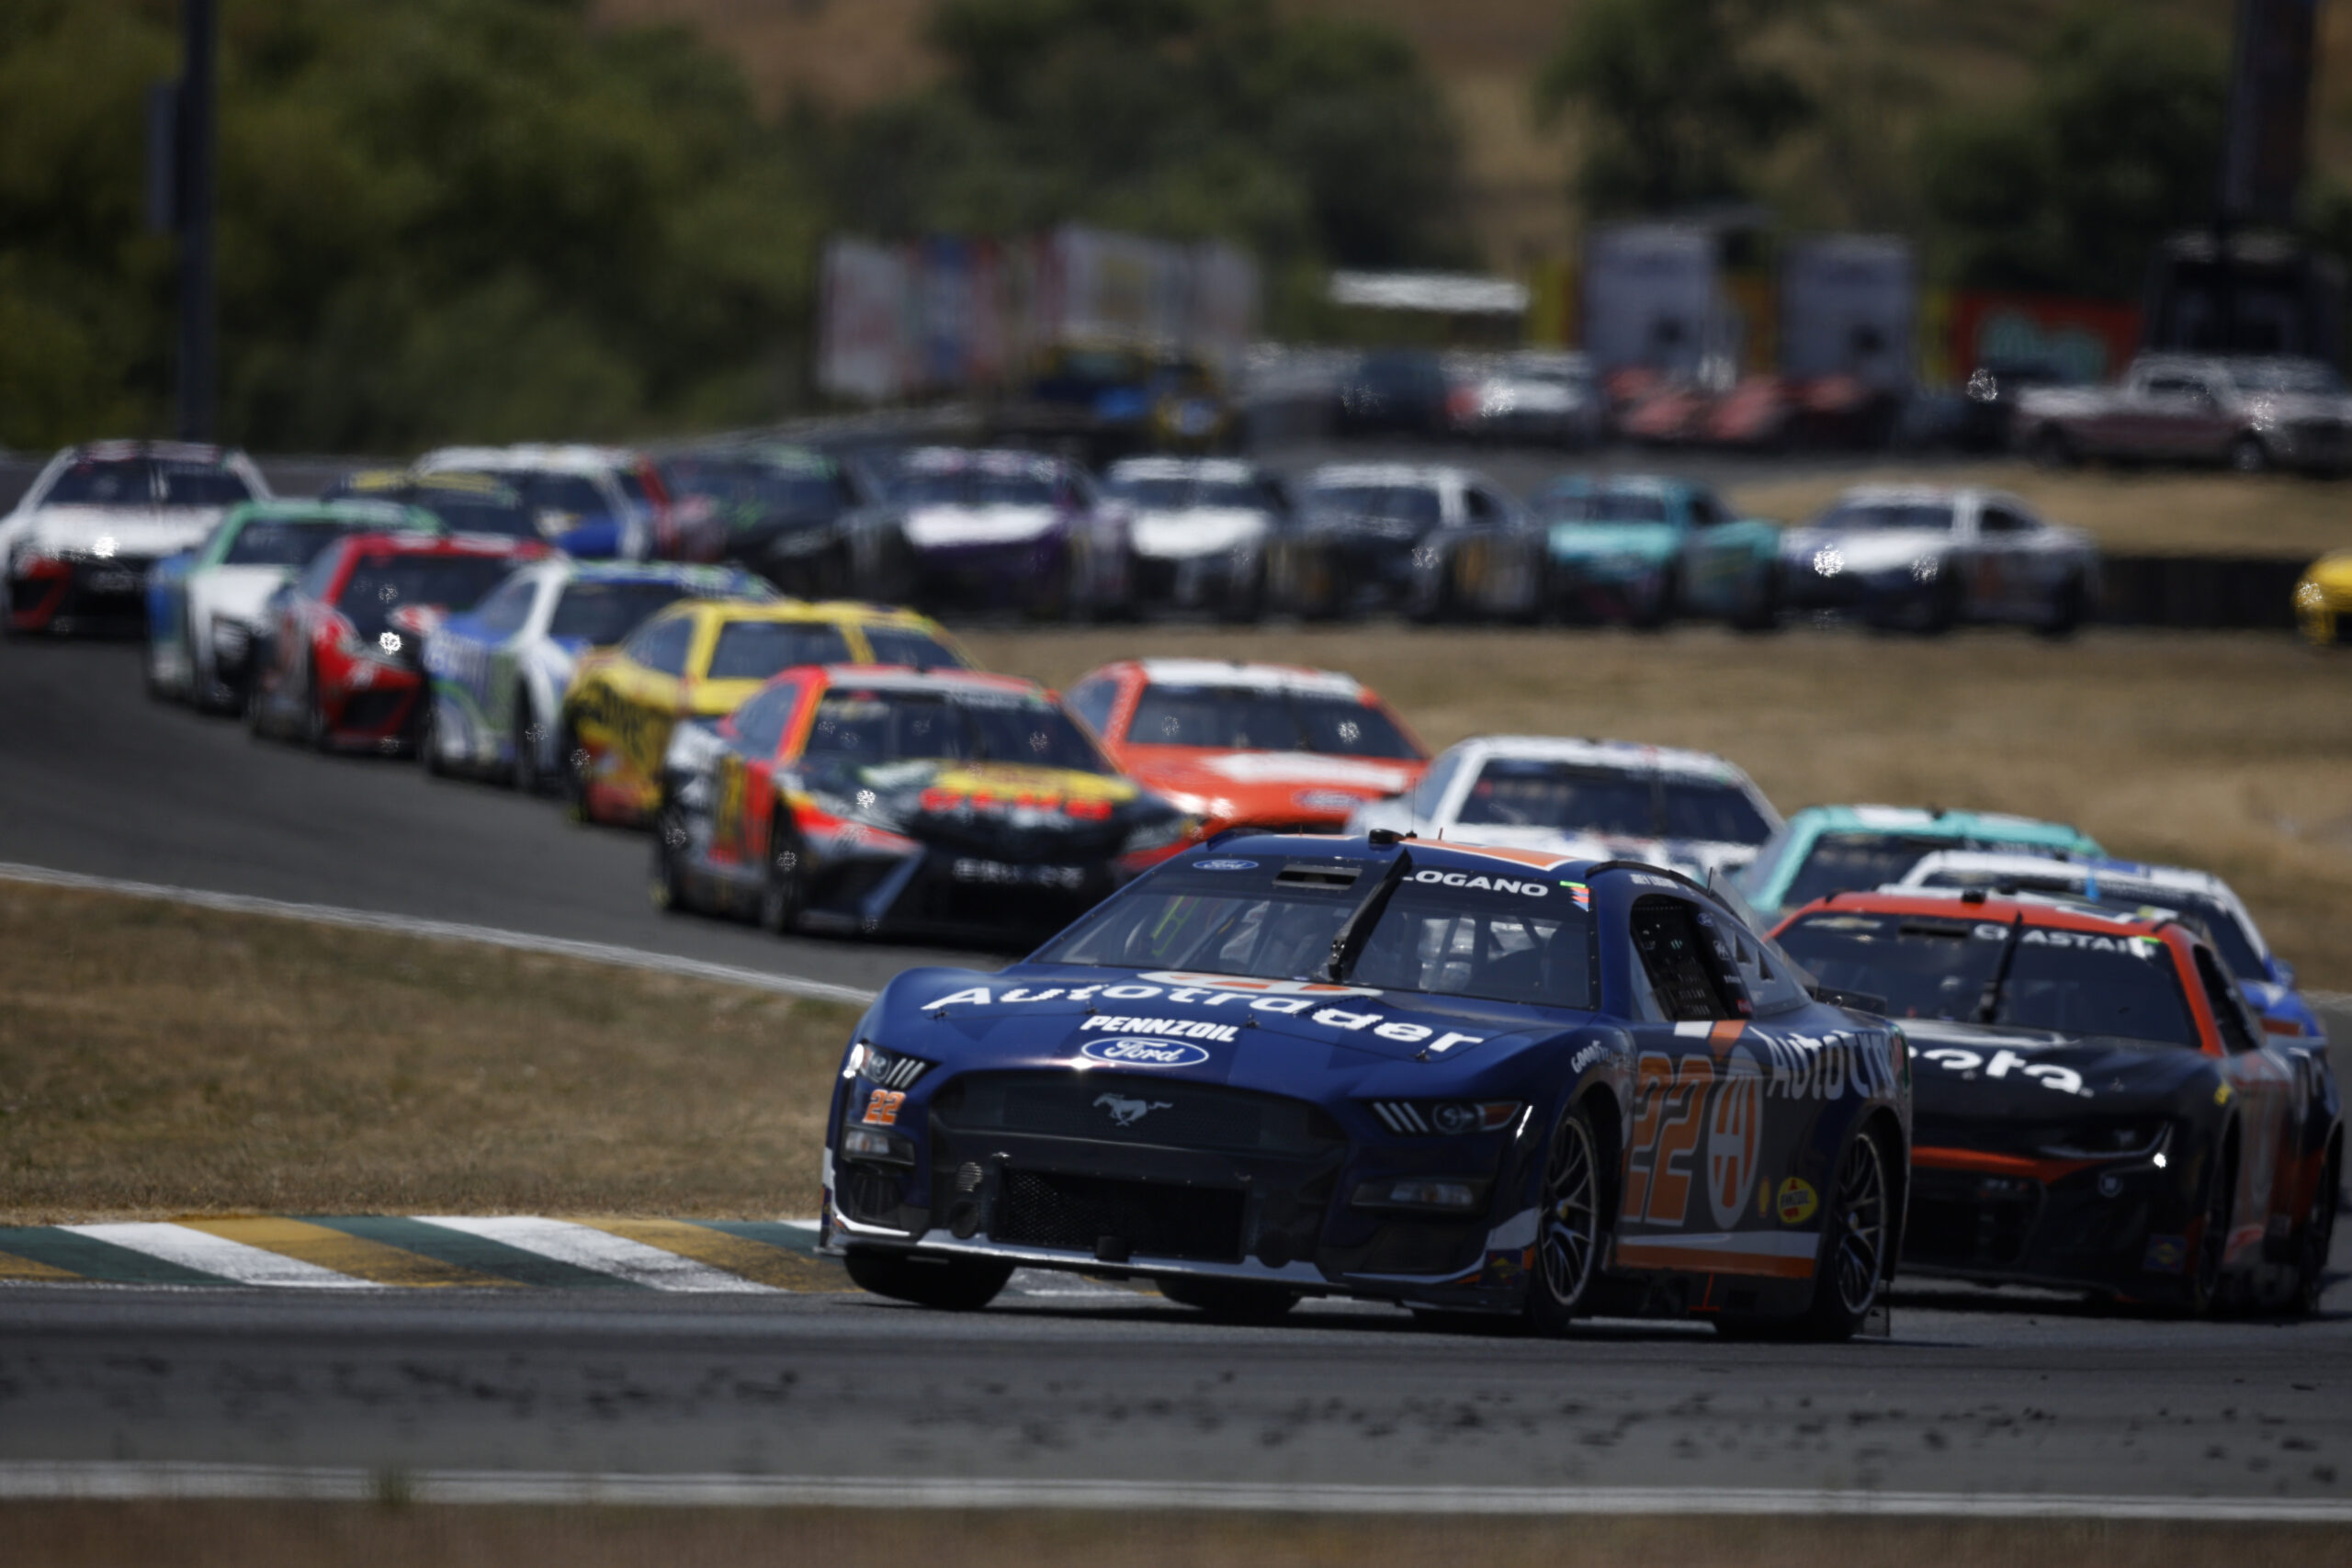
pixel 2098 1107
pixel 775 509
pixel 695 663
pixel 1273 747
pixel 1518 1084
pixel 342 668
pixel 465 503
pixel 593 502
pixel 2251 412
pixel 1838 848
pixel 77 547
pixel 2323 600
pixel 1428 541
pixel 1690 811
pixel 1533 397
pixel 1644 550
pixel 1929 559
pixel 1199 529
pixel 498 672
pixel 865 800
pixel 2133 887
pixel 206 608
pixel 1003 529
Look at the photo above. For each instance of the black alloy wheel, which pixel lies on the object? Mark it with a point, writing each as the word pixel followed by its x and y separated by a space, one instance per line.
pixel 945 1285
pixel 785 887
pixel 1571 1225
pixel 1230 1300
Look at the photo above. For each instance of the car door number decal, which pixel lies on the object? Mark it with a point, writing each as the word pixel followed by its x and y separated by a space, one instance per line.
pixel 1672 1101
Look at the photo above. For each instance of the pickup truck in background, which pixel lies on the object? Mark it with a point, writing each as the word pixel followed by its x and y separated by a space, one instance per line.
pixel 2253 413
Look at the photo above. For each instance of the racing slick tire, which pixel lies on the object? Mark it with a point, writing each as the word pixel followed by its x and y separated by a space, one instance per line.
pixel 1572 1225
pixel 2311 1244
pixel 316 735
pixel 527 776
pixel 1850 1273
pixel 1230 1300
pixel 667 887
pixel 785 887
pixel 944 1284
pixel 2209 1287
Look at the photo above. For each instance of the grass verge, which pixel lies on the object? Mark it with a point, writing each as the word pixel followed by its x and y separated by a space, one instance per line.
pixel 156 1060
pixel 259 1536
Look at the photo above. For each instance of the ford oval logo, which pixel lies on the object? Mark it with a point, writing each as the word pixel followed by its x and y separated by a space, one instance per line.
pixel 1225 866
pixel 1131 1053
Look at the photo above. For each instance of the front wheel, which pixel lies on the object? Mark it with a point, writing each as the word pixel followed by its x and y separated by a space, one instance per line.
pixel 528 777
pixel 783 890
pixel 2312 1246
pixel 571 760
pixel 1231 1300
pixel 1571 1225
pixel 1850 1270
pixel 944 1284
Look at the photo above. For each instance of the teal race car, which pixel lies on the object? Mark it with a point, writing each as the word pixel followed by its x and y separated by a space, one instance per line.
pixel 1843 849
pixel 1644 549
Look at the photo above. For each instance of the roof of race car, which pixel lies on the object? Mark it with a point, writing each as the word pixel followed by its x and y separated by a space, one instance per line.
pixel 175 451
pixel 1994 862
pixel 1330 476
pixel 1629 755
pixel 2048 914
pixel 1920 822
pixel 443 543
pixel 456 479
pixel 1441 851
pixel 899 678
pixel 849 610
pixel 1927 495
pixel 357 511
pixel 1650 484
pixel 1258 677
pixel 733 581
pixel 571 458
pixel 1232 469
pixel 986 460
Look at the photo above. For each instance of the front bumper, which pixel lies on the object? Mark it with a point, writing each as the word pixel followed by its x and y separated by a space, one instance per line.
pixel 2121 1227
pixel 75 594
pixel 374 705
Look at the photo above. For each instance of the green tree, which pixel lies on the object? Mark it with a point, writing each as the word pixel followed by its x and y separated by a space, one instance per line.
pixel 2117 142
pixel 1679 108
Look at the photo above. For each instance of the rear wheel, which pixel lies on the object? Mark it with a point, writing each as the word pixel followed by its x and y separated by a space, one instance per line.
pixel 668 885
pixel 528 775
pixel 572 758
pixel 945 1284
pixel 784 889
pixel 1231 1300
pixel 1570 1226
pixel 2249 455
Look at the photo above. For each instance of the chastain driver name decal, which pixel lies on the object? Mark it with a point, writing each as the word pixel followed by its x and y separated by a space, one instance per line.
pixel 1312 1005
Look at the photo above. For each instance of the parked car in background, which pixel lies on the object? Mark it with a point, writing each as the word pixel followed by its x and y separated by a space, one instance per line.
pixel 694 663
pixel 2133 887
pixel 592 503
pixel 1396 392
pixel 206 607
pixel 498 672
pixel 2250 413
pixel 772 507
pixel 1929 559
pixel 999 529
pixel 344 652
pixel 77 546
pixel 1274 746
pixel 1834 849
pixel 2323 600
pixel 1534 396
pixel 1427 540
pixel 863 800
pixel 1644 550
pixel 465 503
pixel 1689 811
pixel 1199 529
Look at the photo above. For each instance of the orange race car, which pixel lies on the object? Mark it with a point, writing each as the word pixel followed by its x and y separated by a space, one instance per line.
pixel 1275 747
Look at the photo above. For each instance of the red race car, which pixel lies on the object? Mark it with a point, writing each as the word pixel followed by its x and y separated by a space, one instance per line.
pixel 345 639
pixel 1275 747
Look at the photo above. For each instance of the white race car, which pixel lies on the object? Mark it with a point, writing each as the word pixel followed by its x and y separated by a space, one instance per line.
pixel 1199 528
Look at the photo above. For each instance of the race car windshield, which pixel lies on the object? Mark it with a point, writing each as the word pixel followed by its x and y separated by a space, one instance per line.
pixel 973 488
pixel 1251 718
pixel 381 584
pixel 1411 504
pixel 1858 517
pixel 1511 793
pixel 1841 863
pixel 604 613
pixel 1185 494
pixel 873 727
pixel 1606 506
pixel 461 511
pixel 1431 937
pixel 282 542
pixel 200 484
pixel 122 482
pixel 1719 813
pixel 916 651
pixel 754 650
pixel 2071 982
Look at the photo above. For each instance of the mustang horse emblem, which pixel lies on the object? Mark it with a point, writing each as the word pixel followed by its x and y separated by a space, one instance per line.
pixel 1126 1112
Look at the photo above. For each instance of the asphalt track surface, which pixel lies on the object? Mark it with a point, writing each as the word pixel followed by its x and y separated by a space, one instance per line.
pixel 1063 1381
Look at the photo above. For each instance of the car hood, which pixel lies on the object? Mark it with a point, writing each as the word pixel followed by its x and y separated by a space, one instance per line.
pixel 1968 1071
pixel 238 592
pixel 1651 542
pixel 1133 1024
pixel 1865 550
pixel 138 533
pixel 945 528
pixel 1200 532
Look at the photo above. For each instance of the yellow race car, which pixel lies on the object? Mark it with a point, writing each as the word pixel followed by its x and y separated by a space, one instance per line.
pixel 696 662
pixel 2323 599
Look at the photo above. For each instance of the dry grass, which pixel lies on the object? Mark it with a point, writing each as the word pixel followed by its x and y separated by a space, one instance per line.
pixel 2227 750
pixel 2129 510
pixel 358 1536
pixel 156 1060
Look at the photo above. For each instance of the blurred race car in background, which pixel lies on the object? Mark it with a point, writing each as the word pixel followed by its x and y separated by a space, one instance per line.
pixel 1689 811
pixel 1198 528
pixel 77 546
pixel 1111 400
pixel 2133 887
pixel 1928 559
pixel 206 608
pixel 2096 1106
pixel 1274 747
pixel 1393 391
pixel 867 800
pixel 592 503
pixel 1535 395
pixel 774 508
pixel 498 672
pixel 1644 550
pixel 342 661
pixel 2251 412
pixel 2323 600
pixel 1408 1072
pixel 465 503
pixel 695 663
pixel 1838 848
pixel 1428 541
pixel 999 529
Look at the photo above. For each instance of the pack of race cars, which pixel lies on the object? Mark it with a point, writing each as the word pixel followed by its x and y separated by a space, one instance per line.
pixel 1534 1029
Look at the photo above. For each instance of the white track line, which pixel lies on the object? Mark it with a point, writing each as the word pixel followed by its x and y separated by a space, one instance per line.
pixel 603 1251
pixel 210 1254
pixel 444 931
pixel 22 1481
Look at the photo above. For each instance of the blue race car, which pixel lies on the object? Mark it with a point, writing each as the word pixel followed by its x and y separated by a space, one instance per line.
pixel 1490 1081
